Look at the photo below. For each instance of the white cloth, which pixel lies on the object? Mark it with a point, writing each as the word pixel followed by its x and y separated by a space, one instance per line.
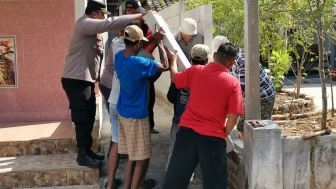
pixel 118 46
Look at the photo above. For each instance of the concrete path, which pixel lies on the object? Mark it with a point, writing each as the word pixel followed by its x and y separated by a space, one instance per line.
pixel 163 118
pixel 312 87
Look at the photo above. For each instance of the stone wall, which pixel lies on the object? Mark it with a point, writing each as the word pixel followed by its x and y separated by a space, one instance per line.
pixel 234 160
pixel 288 108
pixel 305 163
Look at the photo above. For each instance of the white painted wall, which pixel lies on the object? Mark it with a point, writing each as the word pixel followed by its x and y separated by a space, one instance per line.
pixel 80 6
pixel 174 15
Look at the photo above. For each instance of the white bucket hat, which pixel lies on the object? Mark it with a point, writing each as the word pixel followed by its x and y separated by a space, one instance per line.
pixel 188 26
pixel 217 41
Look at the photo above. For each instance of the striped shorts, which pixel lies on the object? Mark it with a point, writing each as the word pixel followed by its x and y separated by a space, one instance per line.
pixel 134 138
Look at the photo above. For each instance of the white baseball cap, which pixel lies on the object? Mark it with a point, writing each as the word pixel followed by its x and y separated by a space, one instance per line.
pixel 188 26
pixel 217 41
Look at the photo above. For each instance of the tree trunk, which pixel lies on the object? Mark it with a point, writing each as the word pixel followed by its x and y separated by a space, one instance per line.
pixel 269 57
pixel 322 77
pixel 331 88
pixel 298 80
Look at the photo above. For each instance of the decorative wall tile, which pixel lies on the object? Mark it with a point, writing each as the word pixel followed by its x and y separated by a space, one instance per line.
pixel 42 30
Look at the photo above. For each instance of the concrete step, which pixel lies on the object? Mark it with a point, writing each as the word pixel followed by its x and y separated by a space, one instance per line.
pixel 70 187
pixel 45 171
pixel 40 138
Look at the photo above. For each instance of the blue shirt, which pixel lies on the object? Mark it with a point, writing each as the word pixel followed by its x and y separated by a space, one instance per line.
pixel 133 73
pixel 180 98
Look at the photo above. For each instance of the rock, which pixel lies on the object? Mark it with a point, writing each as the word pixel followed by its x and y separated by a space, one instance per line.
pixel 317 128
pixel 319 119
pixel 309 97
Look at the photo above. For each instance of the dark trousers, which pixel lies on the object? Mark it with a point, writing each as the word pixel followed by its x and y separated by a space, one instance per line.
pixel 151 102
pixel 82 102
pixel 191 148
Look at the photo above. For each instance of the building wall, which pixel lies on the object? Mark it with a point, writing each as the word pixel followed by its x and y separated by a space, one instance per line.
pixel 43 30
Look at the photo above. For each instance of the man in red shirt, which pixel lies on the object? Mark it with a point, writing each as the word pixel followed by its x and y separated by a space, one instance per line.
pixel 214 96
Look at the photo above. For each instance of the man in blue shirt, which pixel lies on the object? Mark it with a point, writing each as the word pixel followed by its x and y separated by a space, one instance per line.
pixel 134 130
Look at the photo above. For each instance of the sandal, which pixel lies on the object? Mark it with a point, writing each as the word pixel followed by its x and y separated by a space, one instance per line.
pixel 153 131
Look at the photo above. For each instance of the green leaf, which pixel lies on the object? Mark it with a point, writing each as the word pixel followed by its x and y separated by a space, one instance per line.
pixel 275 53
pixel 277 85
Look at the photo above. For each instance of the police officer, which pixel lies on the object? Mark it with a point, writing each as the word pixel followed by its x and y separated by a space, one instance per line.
pixel 81 71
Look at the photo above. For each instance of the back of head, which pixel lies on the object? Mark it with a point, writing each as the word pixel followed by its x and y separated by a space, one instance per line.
pixel 226 53
pixel 199 54
pixel 188 26
pixel 217 41
pixel 134 22
pixel 132 35
pixel 93 6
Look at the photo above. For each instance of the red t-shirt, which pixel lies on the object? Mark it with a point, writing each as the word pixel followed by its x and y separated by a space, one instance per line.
pixel 150 47
pixel 214 93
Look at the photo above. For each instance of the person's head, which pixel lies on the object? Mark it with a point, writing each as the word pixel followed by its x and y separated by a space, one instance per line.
pixel 226 55
pixel 188 29
pixel 134 22
pixel 134 7
pixel 199 54
pixel 216 42
pixel 96 9
pixel 133 37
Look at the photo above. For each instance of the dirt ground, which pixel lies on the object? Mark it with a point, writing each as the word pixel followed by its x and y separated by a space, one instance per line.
pixel 302 126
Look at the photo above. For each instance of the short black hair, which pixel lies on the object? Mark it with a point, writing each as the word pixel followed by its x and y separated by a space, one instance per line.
pixel 227 52
pixel 129 43
pixel 198 62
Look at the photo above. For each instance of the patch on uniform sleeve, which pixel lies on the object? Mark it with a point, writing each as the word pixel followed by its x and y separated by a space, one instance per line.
pixel 100 40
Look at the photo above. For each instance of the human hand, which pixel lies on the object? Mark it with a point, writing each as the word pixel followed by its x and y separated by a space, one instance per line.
pixel 159 34
pixel 172 56
pixel 144 14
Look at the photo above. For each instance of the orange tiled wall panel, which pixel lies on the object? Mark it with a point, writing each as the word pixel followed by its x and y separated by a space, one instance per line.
pixel 43 30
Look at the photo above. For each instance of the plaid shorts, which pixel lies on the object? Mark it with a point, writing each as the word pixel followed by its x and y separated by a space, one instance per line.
pixel 134 138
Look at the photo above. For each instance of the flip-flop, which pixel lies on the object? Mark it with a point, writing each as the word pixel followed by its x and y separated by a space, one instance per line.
pixel 117 183
pixel 153 131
